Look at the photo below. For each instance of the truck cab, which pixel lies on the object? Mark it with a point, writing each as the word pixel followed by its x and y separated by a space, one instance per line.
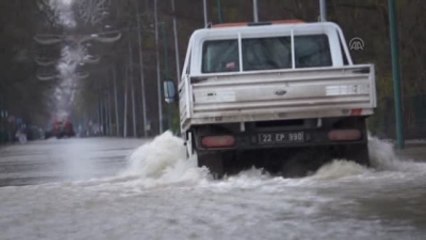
pixel 284 96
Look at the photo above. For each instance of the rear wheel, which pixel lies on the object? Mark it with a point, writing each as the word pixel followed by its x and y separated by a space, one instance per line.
pixel 304 161
pixel 296 166
pixel 357 153
pixel 213 161
pixel 301 162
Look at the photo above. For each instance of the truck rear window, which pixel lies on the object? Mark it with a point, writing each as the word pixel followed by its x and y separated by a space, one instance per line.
pixel 220 56
pixel 312 51
pixel 266 53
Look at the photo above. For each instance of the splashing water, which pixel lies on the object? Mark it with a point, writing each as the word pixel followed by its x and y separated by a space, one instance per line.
pixel 163 161
pixel 339 169
pixel 163 195
pixel 383 157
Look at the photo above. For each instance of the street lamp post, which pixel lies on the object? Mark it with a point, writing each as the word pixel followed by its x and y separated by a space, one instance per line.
pixel 219 11
pixel 205 13
pixel 255 11
pixel 323 10
pixel 396 73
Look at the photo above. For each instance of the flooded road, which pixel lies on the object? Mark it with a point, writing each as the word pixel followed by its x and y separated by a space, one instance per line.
pixel 155 193
pixel 56 160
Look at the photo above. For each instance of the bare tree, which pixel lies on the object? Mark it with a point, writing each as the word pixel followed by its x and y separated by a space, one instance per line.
pixel 92 12
pixel 157 49
pixel 117 119
pixel 141 70
pixel 176 38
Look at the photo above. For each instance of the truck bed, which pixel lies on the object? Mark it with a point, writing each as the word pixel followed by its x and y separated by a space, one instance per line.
pixel 278 94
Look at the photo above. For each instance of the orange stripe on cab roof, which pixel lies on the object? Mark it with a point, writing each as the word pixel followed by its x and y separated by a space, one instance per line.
pixel 239 24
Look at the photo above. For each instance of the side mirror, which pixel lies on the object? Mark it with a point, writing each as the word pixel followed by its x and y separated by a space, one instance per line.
pixel 169 91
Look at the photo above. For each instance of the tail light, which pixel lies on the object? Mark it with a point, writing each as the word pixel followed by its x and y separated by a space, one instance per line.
pixel 344 135
pixel 356 112
pixel 224 141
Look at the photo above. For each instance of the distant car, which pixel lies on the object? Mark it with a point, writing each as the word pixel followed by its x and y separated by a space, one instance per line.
pixel 68 129
pixel 61 129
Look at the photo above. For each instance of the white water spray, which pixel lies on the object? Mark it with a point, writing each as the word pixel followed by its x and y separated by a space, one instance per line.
pixel 339 169
pixel 383 157
pixel 163 161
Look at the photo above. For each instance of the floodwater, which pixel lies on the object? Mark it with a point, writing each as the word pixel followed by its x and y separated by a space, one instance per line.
pixel 157 194
pixel 58 160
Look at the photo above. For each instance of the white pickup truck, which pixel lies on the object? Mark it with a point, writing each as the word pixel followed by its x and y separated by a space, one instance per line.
pixel 282 96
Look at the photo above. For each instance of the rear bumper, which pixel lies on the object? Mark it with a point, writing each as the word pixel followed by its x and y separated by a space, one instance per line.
pixel 310 138
pixel 282 134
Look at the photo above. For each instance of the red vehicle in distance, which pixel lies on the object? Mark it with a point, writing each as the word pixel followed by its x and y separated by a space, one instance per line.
pixel 61 129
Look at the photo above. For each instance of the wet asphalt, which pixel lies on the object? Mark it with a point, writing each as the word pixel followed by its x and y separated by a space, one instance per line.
pixel 58 160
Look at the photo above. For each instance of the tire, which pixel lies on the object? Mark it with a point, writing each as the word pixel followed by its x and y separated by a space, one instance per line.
pixel 293 168
pixel 213 161
pixel 358 153
pixel 301 162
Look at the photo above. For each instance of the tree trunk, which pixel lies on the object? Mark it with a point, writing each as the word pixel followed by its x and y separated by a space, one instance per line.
pixel 159 88
pixel 125 103
pixel 141 72
pixel 132 91
pixel 117 118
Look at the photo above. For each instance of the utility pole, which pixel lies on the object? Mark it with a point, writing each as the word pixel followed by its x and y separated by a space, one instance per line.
pixel 141 71
pixel 255 11
pixel 323 10
pixel 159 85
pixel 396 74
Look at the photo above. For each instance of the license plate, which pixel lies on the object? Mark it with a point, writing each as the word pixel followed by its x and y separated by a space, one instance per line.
pixel 285 137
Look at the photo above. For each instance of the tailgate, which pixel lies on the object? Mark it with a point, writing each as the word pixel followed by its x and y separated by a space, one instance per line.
pixel 282 94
